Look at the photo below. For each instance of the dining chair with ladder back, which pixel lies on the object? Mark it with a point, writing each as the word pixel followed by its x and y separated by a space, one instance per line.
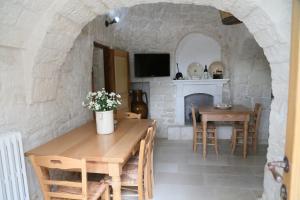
pixel 55 188
pixel 136 178
pixel 238 130
pixel 135 159
pixel 198 131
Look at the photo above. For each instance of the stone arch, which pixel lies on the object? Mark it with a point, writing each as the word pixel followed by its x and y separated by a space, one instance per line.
pixel 61 24
pixel 55 36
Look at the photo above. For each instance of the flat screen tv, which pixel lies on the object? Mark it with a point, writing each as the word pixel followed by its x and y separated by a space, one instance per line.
pixel 151 64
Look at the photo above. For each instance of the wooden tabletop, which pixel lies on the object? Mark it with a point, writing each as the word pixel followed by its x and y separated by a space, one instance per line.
pixel 84 142
pixel 238 109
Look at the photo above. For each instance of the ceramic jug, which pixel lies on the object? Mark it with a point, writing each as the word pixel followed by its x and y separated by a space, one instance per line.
pixel 138 105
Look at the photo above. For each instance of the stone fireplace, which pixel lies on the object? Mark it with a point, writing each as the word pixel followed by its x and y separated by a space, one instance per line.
pixel 184 88
pixel 208 92
pixel 197 100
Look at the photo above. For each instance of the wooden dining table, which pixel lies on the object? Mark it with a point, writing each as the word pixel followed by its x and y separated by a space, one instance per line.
pixel 105 154
pixel 236 113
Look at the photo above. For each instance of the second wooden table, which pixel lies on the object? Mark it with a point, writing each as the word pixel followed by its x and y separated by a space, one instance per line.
pixel 236 113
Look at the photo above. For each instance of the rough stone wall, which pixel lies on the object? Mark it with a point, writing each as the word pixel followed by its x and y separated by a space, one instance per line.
pixel 250 75
pixel 66 112
pixel 41 122
pixel 245 63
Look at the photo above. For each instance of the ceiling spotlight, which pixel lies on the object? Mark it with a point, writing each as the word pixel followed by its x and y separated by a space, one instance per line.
pixel 110 22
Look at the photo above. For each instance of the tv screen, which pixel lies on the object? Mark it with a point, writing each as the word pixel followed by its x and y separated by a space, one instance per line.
pixel 151 65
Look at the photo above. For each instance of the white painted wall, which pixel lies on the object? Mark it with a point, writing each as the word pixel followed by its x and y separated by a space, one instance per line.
pixel 196 48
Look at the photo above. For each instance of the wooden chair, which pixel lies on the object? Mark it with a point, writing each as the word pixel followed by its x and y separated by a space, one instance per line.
pixel 137 177
pixel 238 130
pixel 135 159
pixel 211 136
pixel 54 188
pixel 128 115
pixel 151 184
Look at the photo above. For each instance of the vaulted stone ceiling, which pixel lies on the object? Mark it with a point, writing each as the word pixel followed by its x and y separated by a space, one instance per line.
pixel 165 22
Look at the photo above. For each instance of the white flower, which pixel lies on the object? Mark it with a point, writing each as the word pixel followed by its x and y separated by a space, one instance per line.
pixel 102 100
pixel 99 94
pixel 109 103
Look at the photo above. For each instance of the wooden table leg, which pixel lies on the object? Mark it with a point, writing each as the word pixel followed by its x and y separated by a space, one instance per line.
pixel 204 133
pixel 115 173
pixel 245 139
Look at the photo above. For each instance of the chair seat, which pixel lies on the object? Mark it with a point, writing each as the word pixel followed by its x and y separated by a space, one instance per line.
pixel 210 127
pixel 240 127
pixel 126 180
pixel 95 190
pixel 130 169
pixel 129 175
pixel 133 160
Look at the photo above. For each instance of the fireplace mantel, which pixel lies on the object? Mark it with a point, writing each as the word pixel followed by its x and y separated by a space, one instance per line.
pixel 201 82
pixel 212 87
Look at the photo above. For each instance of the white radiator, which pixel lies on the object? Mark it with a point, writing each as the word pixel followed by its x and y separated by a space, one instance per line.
pixel 13 180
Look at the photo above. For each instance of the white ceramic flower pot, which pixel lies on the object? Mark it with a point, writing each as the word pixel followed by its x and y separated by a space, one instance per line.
pixel 105 122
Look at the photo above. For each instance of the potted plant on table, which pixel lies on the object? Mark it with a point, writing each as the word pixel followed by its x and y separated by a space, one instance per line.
pixel 103 103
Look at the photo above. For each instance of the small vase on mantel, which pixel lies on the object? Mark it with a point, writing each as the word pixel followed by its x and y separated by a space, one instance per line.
pixel 105 122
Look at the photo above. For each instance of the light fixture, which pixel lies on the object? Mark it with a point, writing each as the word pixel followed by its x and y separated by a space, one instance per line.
pixel 110 22
pixel 228 18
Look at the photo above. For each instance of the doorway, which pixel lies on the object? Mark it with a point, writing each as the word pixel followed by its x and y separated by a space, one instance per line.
pixel 98 68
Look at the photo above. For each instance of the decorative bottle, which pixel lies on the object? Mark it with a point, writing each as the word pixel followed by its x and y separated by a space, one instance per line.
pixel 205 73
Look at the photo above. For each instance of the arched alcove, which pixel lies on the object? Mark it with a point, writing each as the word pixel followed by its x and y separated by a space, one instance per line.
pixel 197 48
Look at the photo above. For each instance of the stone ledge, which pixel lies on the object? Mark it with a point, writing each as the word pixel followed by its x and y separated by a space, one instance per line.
pixel 201 82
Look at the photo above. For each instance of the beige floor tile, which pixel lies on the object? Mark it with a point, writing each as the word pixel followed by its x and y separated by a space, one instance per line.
pixel 181 174
pixel 179 179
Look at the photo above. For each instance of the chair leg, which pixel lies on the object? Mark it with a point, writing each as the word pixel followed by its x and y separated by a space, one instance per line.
pixel 147 183
pixel 149 194
pixel 254 144
pixel 106 195
pixel 216 142
pixel 232 138
pixel 151 177
pixel 233 141
pixel 195 141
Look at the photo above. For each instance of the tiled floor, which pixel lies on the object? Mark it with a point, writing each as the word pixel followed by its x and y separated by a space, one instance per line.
pixel 181 174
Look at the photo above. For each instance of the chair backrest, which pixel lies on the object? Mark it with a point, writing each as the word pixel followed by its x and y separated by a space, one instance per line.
pixel 257 116
pixel 154 125
pixel 194 118
pixel 129 115
pixel 42 164
pixel 143 164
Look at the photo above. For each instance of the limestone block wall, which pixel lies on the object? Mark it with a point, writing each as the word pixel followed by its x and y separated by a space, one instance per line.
pixel 250 75
pixel 65 112
pixel 41 122
pixel 244 60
